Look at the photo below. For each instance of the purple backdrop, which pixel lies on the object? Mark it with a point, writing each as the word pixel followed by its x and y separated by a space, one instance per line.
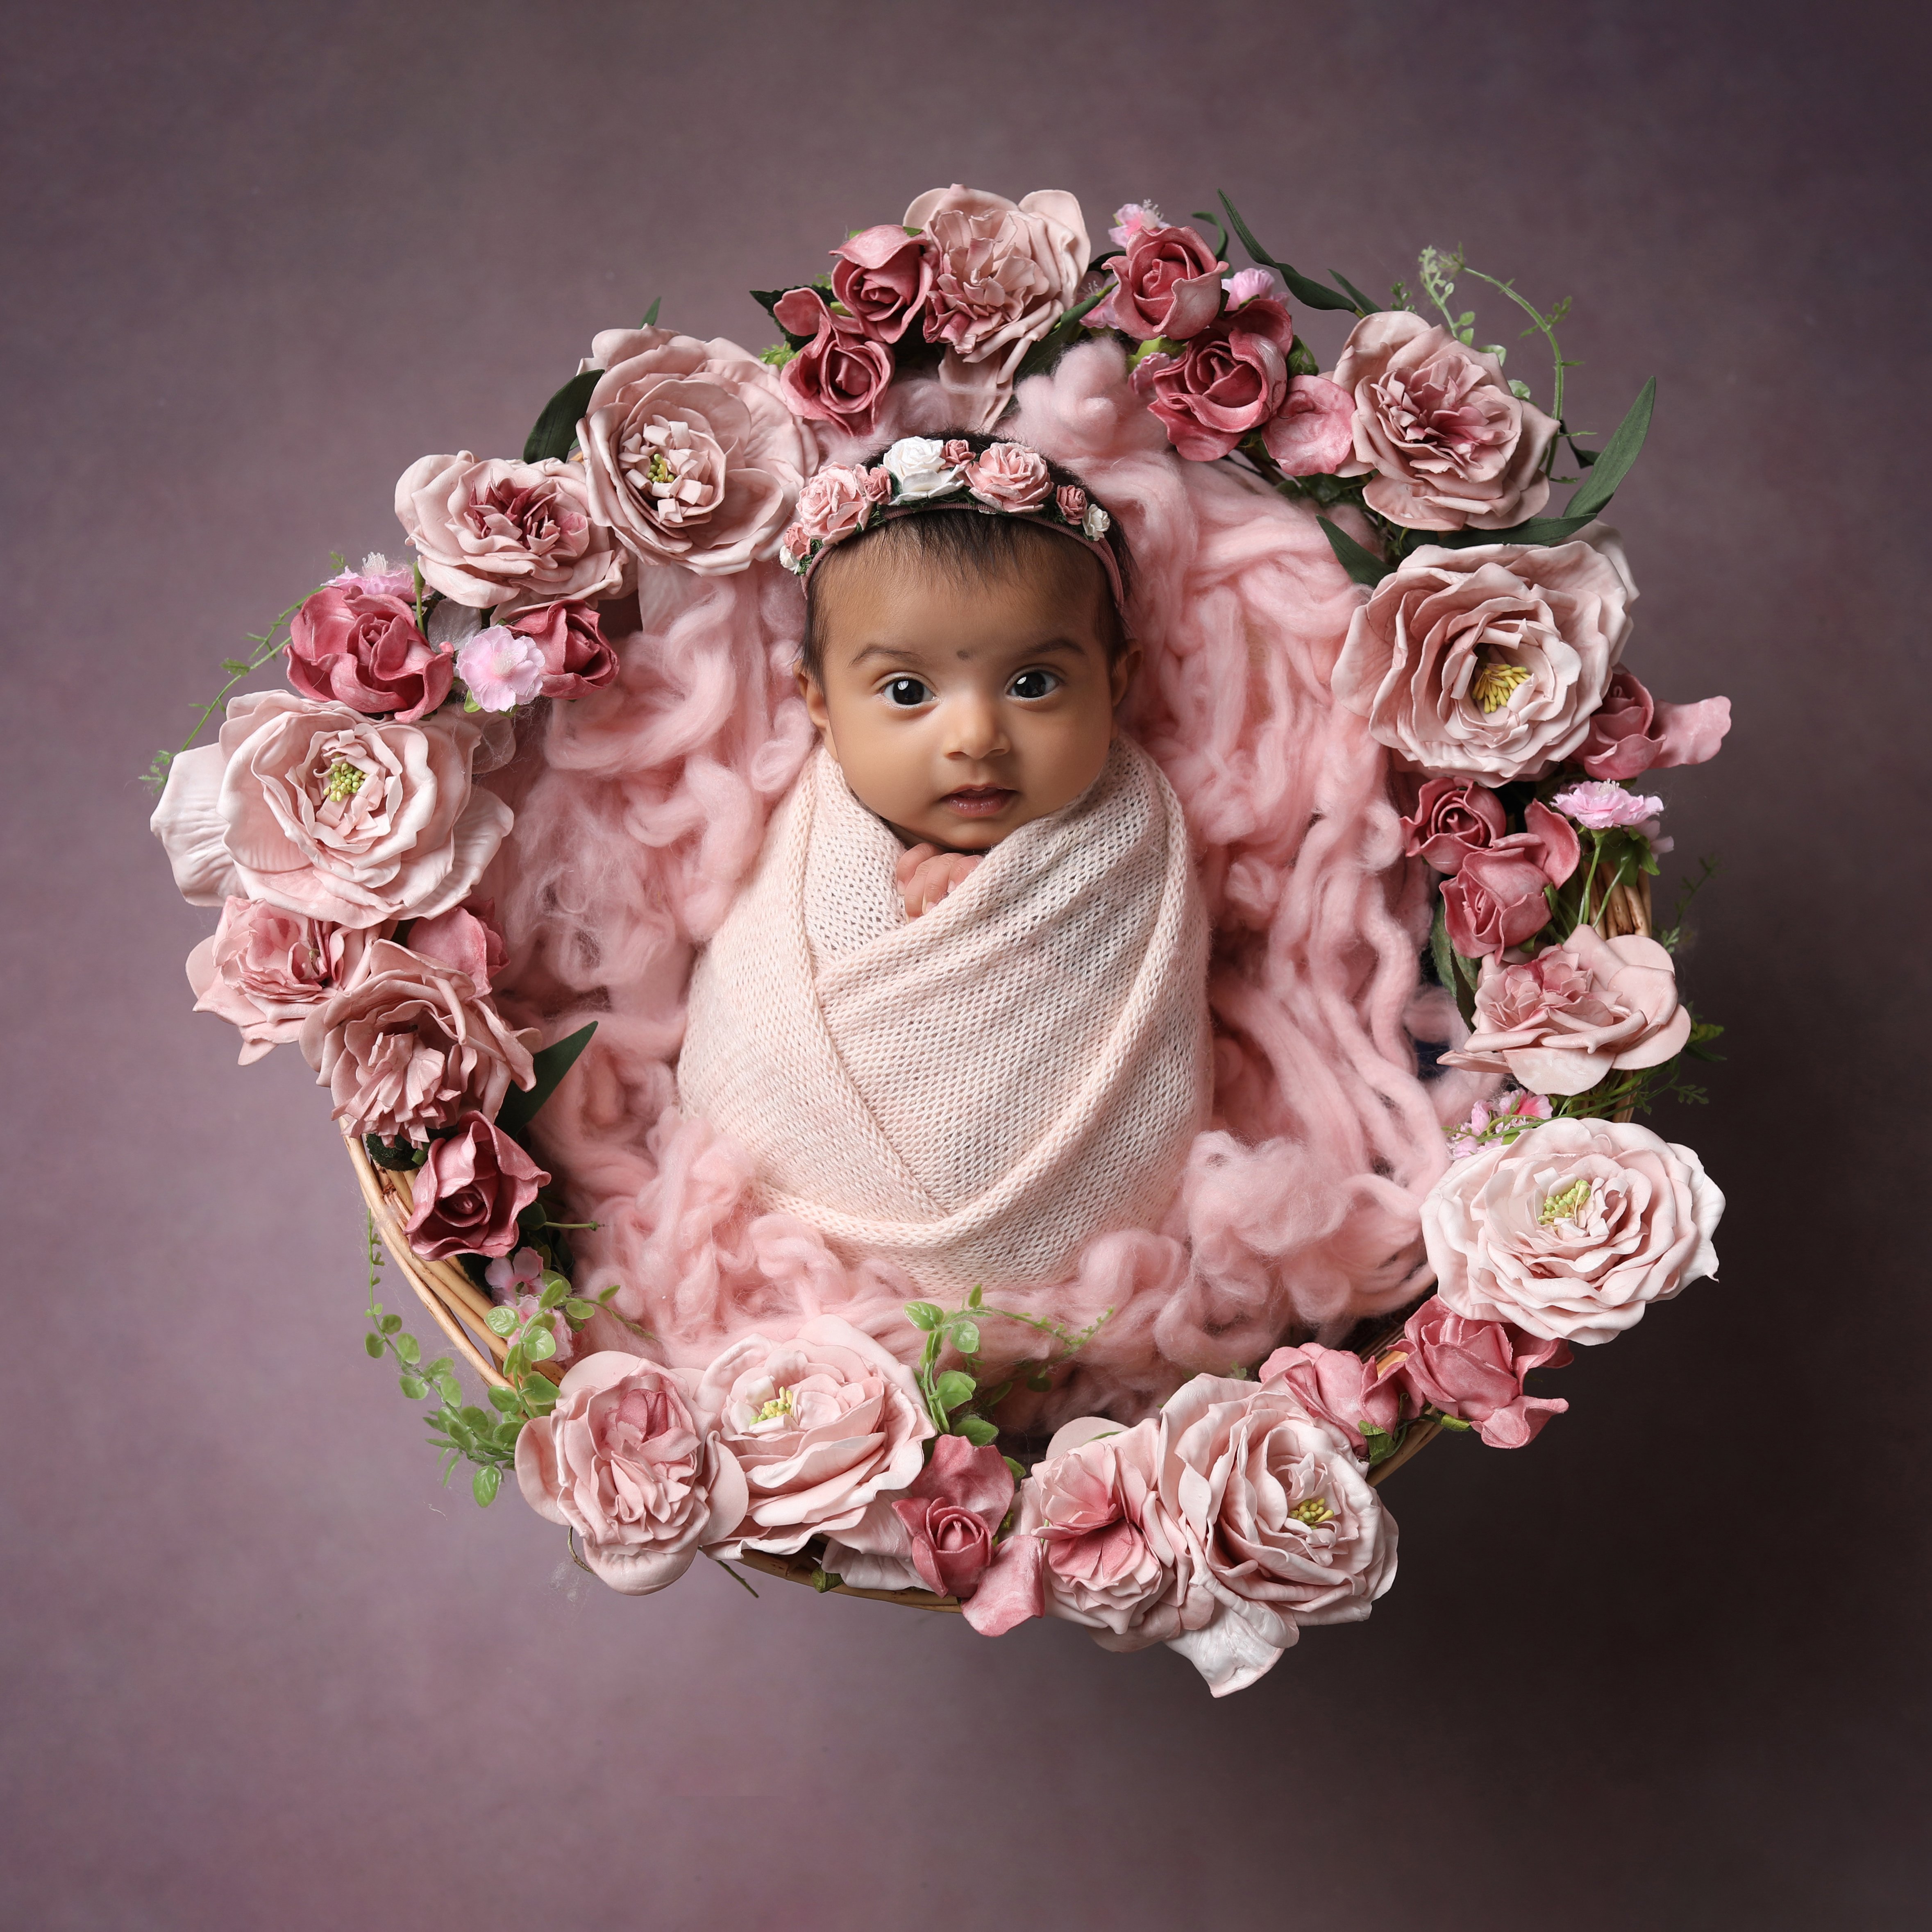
pixel 263 1671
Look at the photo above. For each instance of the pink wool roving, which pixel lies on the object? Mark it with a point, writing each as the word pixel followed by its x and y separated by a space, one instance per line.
pixel 643 809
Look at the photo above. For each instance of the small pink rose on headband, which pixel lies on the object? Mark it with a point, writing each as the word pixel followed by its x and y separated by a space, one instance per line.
pixel 883 276
pixel 502 668
pixel 1072 502
pixel 468 1192
pixel 956 450
pixel 1009 476
pixel 839 500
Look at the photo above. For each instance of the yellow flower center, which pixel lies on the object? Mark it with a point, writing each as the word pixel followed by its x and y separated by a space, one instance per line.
pixel 659 471
pixel 780 1404
pixel 1494 684
pixel 1567 1204
pixel 1314 1512
pixel 344 781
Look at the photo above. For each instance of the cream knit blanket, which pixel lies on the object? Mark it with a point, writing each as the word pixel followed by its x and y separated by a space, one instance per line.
pixel 976 1094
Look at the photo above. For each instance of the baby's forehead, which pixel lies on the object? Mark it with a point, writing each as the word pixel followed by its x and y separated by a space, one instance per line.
pixel 1045 580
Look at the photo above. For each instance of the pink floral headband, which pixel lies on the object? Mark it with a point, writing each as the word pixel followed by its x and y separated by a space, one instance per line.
pixel 919 473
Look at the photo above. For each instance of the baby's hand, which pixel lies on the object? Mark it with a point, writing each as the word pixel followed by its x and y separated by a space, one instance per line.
pixel 926 874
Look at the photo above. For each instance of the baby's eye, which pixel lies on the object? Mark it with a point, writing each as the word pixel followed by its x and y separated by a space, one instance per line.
pixel 1034 684
pixel 905 691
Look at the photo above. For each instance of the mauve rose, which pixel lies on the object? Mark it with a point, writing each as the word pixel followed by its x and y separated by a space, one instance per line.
pixel 1167 282
pixel 266 969
pixel 690 453
pixel 1071 501
pixel 840 375
pixel 1336 1386
pixel 1009 476
pixel 487 532
pixel 839 499
pixel 883 275
pixel 1452 817
pixel 351 647
pixel 467 1194
pixel 1630 732
pixel 1310 434
pixel 1474 1371
pixel 578 658
pixel 1576 1013
pixel 410 1045
pixel 1497 899
pixel 1451 448
pixel 322 811
pixel 822 1426
pixel 1003 273
pixel 951 1512
pixel 624 1462
pixel 1572 1229
pixel 465 938
pixel 1231 380
pixel 1488 663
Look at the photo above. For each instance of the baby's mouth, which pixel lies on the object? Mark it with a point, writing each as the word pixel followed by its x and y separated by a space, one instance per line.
pixel 979 801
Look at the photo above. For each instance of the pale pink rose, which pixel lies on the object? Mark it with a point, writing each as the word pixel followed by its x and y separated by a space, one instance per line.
pixel 883 275
pixel 1231 381
pixel 925 875
pixel 838 499
pixel 1452 817
pixel 1257 285
pixel 377 576
pixel 1004 273
pixel 1571 1230
pixel 1576 1013
pixel 266 969
pixel 1497 898
pixel 1488 663
pixel 363 650
pixel 502 667
pixel 1451 448
pixel 1167 282
pixel 1630 732
pixel 317 809
pixel 840 376
pixel 951 1511
pixel 467 1194
pixel 577 658
pixel 1474 1371
pixel 1009 476
pixel 1310 435
pixel 1071 502
pixel 624 1461
pixel 1510 1113
pixel 465 938
pixel 1603 806
pixel 956 450
pixel 823 1425
pixel 1336 1386
pixel 489 532
pixel 690 453
pixel 410 1045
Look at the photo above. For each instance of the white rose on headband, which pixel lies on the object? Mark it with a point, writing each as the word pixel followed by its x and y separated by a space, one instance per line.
pixel 1097 524
pixel 918 465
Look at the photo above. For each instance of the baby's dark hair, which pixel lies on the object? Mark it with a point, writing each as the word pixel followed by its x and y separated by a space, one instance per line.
pixel 968 546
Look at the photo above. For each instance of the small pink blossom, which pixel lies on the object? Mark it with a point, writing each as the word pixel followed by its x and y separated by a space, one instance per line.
pixel 1602 804
pixel 1509 1114
pixel 1253 285
pixel 377 577
pixel 522 1270
pixel 952 1512
pixel 503 668
pixel 1129 217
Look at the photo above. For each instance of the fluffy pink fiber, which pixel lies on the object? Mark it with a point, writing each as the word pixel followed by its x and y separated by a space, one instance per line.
pixel 642 809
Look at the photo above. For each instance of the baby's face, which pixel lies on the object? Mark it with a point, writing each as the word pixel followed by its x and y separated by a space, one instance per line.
pixel 958 713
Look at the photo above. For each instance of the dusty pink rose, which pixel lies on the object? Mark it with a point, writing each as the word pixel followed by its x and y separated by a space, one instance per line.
pixel 690 453
pixel 1630 732
pixel 465 938
pixel 317 809
pixel 956 451
pixel 1576 1013
pixel 501 667
pixel 1230 382
pixel 951 1512
pixel 266 969
pixel 625 1461
pixel 1571 1230
pixel 1452 817
pixel 1071 501
pixel 1310 435
pixel 1497 899
pixel 1488 663
pixel 468 1192
pixel 1603 806
pixel 1004 272
pixel 1167 282
pixel 363 650
pixel 1474 1371
pixel 823 1425
pixel 493 532
pixel 1009 476
pixel 1336 1386
pixel 1451 448
pixel 839 499
pixel 411 1044
pixel 883 276
pixel 577 658
pixel 841 375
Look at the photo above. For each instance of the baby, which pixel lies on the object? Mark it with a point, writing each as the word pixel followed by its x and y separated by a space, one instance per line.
pixel 957 1020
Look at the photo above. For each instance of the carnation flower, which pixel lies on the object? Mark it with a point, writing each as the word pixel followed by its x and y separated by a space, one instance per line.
pixel 1602 804
pixel 503 668
pixel 377 576
pixel 1251 285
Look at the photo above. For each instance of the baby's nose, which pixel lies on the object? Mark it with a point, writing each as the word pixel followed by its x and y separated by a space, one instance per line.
pixel 973 730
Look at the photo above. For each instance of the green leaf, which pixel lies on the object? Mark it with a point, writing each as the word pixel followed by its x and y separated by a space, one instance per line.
pixel 1348 288
pixel 1364 566
pixel 553 1296
pixel 954 1390
pixel 977 1430
pixel 373 1344
pixel 484 1484
pixel 555 429
pixel 473 1417
pixel 540 1344
pixel 1041 1382
pixel 1537 530
pixel 604 1295
pixel 521 1104
pixel 413 1389
pixel 924 1314
pixel 966 1337
pixel 1472 970
pixel 1019 1469
pixel 505 1399
pixel 237 667
pixel 408 1348
pixel 823 1580
pixel 1048 349
pixel 577 1310
pixel 391 1323
pixel 1441 954
pixel 650 320
pixel 449 1387
pixel 1312 294
pixel 1454 1422
pixel 500 1321
pixel 974 1299
pixel 1614 458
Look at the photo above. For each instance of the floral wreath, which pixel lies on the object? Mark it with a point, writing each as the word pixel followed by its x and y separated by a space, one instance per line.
pixel 339 827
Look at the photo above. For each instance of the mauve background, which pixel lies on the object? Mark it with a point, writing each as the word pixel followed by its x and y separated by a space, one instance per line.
pixel 1665 1669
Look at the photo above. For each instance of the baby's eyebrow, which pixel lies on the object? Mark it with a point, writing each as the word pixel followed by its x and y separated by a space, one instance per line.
pixel 895 653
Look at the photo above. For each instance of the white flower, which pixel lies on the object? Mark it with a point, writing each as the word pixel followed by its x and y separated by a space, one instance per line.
pixel 1097 522
pixel 917 465
pixel 503 668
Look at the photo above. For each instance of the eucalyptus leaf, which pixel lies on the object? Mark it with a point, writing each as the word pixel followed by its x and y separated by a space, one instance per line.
pixel 555 429
pixel 1614 458
pixel 540 1344
pixel 577 1310
pixel 413 1389
pixel 1364 566
pixel 553 1296
pixel 505 1399
pixel 520 1105
pixel 409 1349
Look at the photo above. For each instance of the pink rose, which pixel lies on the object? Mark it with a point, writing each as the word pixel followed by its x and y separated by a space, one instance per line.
pixel 841 374
pixel 1003 273
pixel 1231 381
pixel 951 1512
pixel 1576 1013
pixel 1488 663
pixel 1009 476
pixel 1310 434
pixel 839 500
pixel 1474 1371
pixel 1071 500
pixel 1451 448
pixel 501 667
pixel 1453 818
pixel 266 969
pixel 488 532
pixel 956 451
pixel 466 939
pixel 1336 1386
pixel 410 1045
pixel 624 1462
pixel 883 275
pixel 365 651
pixel 1167 282
pixel 822 1426
pixel 1630 732
pixel 690 455
pixel 468 1192
pixel 325 813
pixel 577 658
pixel 1571 1230
pixel 1497 898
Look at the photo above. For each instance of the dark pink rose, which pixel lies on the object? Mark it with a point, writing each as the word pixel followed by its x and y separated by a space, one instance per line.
pixel 366 651
pixel 1166 283
pixel 1072 502
pixel 1496 899
pixel 577 656
pixel 468 1192
pixel 883 276
pixel 1630 732
pixel 1452 817
pixel 1009 476
pixel 840 375
pixel 1311 433
pixel 466 938
pixel 267 969
pixel 952 1512
pixel 1337 1386
pixel 1474 1371
pixel 1231 381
